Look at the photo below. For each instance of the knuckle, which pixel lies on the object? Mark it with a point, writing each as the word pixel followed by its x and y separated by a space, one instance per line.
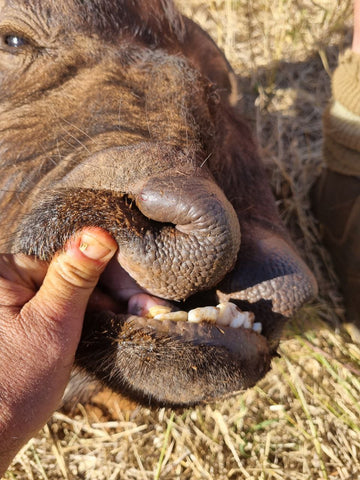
pixel 77 276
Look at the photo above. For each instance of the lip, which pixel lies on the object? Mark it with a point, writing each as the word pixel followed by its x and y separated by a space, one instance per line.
pixel 127 297
pixel 171 363
pixel 127 353
pixel 167 363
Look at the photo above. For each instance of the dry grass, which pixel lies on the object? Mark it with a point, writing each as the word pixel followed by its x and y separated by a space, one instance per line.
pixel 302 421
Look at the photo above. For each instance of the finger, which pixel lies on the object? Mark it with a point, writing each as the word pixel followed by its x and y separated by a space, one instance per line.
pixel 72 276
pixel 38 344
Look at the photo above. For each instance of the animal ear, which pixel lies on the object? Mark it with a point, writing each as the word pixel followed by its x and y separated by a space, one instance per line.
pixel 205 55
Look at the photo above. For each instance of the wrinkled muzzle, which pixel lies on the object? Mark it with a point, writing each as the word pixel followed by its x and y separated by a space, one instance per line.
pixel 178 236
pixel 177 233
pixel 193 243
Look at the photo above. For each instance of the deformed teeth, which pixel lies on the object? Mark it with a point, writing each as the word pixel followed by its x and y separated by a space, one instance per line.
pixel 243 319
pixel 230 315
pixel 228 312
pixel 203 314
pixel 225 314
pixel 179 316
pixel 158 310
pixel 257 327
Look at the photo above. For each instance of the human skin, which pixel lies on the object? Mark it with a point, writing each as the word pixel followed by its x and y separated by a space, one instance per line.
pixel 41 314
pixel 356 37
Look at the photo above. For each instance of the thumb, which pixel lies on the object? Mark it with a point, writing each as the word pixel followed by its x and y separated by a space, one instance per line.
pixel 38 346
pixel 72 276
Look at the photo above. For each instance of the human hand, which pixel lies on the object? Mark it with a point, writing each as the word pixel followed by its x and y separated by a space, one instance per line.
pixel 41 314
pixel 356 36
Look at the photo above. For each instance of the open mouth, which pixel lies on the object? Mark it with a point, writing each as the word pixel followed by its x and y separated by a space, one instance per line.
pixel 170 353
pixel 179 355
pixel 118 291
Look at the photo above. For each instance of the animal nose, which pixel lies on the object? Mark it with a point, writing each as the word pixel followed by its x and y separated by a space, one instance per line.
pixel 199 231
pixel 177 232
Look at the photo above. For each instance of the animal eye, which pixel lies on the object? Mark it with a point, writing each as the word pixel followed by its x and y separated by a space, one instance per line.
pixel 14 41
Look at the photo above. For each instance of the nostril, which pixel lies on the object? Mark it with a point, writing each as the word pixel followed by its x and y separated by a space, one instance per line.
pixel 194 206
pixel 184 200
pixel 195 239
pixel 165 201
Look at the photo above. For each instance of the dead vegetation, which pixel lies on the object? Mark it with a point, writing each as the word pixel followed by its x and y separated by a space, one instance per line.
pixel 302 421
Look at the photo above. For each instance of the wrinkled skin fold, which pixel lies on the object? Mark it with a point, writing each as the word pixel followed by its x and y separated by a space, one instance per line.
pixel 120 115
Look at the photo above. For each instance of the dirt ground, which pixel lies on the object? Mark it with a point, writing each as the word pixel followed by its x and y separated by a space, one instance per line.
pixel 303 420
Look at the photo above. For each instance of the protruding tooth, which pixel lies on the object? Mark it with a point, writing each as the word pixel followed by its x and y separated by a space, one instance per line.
pixel 231 315
pixel 237 321
pixel 257 327
pixel 227 312
pixel 203 314
pixel 158 310
pixel 178 316
pixel 243 319
pixel 250 317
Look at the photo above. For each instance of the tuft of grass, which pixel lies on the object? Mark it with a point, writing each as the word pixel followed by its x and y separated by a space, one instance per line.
pixel 301 422
pixel 165 451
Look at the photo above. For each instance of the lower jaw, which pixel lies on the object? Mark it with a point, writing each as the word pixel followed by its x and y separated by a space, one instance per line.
pixel 168 363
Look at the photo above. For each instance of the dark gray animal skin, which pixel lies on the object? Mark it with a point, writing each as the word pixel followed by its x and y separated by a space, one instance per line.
pixel 119 115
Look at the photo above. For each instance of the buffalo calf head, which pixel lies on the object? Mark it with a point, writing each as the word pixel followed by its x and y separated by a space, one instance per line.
pixel 118 115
